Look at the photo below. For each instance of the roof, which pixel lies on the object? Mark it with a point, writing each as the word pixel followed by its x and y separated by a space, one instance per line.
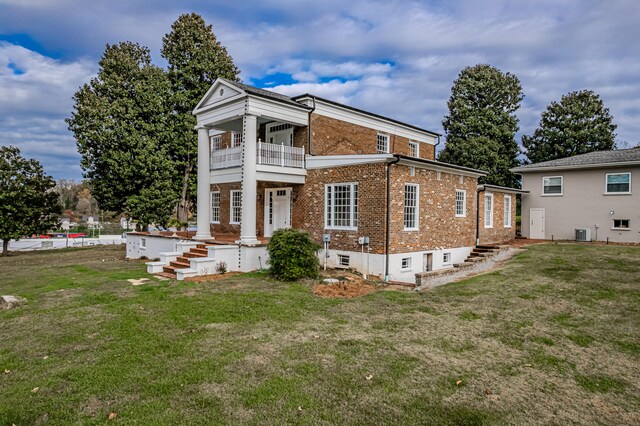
pixel 329 101
pixel 497 188
pixel 440 164
pixel 265 93
pixel 613 158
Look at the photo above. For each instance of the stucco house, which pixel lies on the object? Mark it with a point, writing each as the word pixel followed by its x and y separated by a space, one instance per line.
pixel 587 197
pixel 368 185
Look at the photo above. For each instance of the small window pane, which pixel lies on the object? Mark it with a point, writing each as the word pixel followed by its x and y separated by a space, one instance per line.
pixel 446 258
pixel 406 263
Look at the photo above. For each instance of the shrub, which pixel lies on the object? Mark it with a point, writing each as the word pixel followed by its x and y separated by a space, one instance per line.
pixel 292 255
pixel 221 268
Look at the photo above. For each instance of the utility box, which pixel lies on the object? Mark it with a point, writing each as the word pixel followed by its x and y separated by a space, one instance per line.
pixel 326 238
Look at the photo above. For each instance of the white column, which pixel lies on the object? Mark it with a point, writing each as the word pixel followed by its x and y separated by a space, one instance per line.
pixel 204 185
pixel 249 182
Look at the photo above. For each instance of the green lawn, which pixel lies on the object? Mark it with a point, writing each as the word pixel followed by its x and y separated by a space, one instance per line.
pixel 552 338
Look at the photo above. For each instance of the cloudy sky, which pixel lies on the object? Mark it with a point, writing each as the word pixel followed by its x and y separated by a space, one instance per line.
pixel 396 58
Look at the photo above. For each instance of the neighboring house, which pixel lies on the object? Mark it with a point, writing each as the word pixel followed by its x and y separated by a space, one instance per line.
pixel 585 197
pixel 368 183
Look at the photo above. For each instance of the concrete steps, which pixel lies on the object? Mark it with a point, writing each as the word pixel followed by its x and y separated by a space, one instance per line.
pixel 180 265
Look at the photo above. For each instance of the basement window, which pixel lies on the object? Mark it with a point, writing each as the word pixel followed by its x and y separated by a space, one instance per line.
pixel 343 260
pixel 446 258
pixel 143 243
pixel 621 224
pixel 406 263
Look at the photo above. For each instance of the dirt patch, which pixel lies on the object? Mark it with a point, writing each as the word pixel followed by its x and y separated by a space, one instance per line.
pixel 344 290
pixel 214 277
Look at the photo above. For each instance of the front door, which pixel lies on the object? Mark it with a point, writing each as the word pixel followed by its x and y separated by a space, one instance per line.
pixel 536 224
pixel 277 210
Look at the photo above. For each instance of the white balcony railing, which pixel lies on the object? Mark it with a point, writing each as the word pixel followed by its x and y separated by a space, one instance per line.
pixel 267 154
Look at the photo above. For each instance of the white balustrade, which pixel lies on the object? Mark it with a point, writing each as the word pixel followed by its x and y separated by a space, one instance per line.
pixel 268 154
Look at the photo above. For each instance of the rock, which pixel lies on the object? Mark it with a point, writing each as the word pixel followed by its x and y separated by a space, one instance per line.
pixel 141 281
pixel 330 281
pixel 8 302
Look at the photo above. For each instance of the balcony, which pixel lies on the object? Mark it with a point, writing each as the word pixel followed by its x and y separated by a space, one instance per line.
pixel 268 154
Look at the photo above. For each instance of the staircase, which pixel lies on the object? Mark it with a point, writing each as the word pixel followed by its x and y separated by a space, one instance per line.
pixel 479 254
pixel 177 265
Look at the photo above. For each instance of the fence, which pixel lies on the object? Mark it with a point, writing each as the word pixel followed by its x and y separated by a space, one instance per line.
pixel 28 244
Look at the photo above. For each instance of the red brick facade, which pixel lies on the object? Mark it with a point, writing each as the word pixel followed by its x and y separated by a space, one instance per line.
pixel 498 233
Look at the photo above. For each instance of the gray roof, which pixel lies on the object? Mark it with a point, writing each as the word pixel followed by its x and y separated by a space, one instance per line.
pixel 588 160
pixel 266 94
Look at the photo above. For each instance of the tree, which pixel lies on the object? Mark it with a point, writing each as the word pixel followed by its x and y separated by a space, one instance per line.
pixel 121 121
pixel 27 203
pixel 196 58
pixel 481 125
pixel 578 124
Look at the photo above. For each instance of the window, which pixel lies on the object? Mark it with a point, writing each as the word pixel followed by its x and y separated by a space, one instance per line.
pixel 382 143
pixel 507 211
pixel 488 211
pixel 281 134
pixel 216 142
pixel 446 258
pixel 620 223
pixel 552 185
pixel 618 183
pixel 236 139
pixel 461 203
pixel 414 149
pixel 143 243
pixel 410 207
pixel 236 207
pixel 215 207
pixel 341 206
pixel 406 263
pixel 343 260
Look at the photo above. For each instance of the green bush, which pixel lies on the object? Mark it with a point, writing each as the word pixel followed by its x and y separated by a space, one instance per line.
pixel 292 255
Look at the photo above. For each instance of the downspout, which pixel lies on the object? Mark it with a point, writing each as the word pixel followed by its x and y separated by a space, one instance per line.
pixel 478 191
pixel 388 218
pixel 310 128
pixel 435 147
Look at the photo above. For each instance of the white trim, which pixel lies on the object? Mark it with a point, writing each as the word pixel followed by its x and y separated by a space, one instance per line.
pixel 417 148
pixel 464 203
pixel 579 166
pixel 211 206
pixel 507 224
pixel 560 194
pixel 200 108
pixel 268 227
pixel 442 167
pixel 409 262
pixel 446 262
pixel 387 143
pixel 330 161
pixel 232 205
pixel 628 228
pixel 484 209
pixel 352 206
pixel 416 208
pixel 606 184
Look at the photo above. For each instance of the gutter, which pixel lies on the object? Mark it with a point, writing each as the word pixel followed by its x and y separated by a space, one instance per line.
pixel 388 217
pixel 435 147
pixel 310 128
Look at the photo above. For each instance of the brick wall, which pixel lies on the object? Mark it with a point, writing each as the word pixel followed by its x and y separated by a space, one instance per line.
pixel 499 233
pixel 438 225
pixel 225 209
pixel 336 137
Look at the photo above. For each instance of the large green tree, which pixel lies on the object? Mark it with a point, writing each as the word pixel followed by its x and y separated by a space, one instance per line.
pixel 122 124
pixel 27 203
pixel 481 125
pixel 578 124
pixel 196 58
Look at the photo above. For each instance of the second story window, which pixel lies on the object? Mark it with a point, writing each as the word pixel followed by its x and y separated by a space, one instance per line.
pixel 382 143
pixel 552 185
pixel 236 139
pixel 216 142
pixel 414 149
pixel 618 183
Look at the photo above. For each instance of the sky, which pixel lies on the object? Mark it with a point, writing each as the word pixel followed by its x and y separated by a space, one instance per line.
pixel 394 58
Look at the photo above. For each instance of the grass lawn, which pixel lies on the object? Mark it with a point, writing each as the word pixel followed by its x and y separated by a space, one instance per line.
pixel 554 337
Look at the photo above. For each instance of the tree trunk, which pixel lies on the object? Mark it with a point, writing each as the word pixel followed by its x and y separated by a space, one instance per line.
pixel 182 211
pixel 5 247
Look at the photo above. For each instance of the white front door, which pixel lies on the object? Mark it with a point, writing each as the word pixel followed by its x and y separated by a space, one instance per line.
pixel 536 224
pixel 277 210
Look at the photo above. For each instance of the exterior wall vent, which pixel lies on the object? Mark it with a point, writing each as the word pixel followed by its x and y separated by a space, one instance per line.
pixel 583 234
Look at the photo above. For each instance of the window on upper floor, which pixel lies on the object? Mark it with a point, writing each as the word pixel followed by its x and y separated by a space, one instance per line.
pixel 488 211
pixel 618 183
pixel 215 207
pixel 507 211
pixel 236 139
pixel 216 142
pixel 382 143
pixel 280 134
pixel 411 207
pixel 341 206
pixel 414 149
pixel 461 203
pixel 236 207
pixel 552 185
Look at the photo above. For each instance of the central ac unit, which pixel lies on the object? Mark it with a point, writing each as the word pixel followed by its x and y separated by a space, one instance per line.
pixel 583 234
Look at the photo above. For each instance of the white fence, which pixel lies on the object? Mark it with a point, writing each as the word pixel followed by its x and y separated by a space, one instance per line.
pixel 27 244
pixel 268 153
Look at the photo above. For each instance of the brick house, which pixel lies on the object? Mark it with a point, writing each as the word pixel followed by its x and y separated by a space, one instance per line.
pixel 268 161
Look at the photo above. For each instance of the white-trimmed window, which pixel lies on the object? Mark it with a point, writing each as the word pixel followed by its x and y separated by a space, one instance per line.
pixel 216 142
pixel 411 207
pixel 343 260
pixel 621 224
pixel 341 206
pixel 382 143
pixel 488 210
pixel 552 185
pixel 236 207
pixel 280 134
pixel 406 263
pixel 618 183
pixel 236 139
pixel 507 211
pixel 414 149
pixel 143 243
pixel 446 258
pixel 215 206
pixel 461 203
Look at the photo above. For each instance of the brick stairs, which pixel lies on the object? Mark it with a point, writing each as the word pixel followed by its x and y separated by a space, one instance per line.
pixel 183 262
pixel 479 254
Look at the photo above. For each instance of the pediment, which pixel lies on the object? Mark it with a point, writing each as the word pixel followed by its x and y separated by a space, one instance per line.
pixel 220 91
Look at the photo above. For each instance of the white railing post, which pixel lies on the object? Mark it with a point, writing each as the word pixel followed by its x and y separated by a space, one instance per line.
pixel 259 151
pixel 282 155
